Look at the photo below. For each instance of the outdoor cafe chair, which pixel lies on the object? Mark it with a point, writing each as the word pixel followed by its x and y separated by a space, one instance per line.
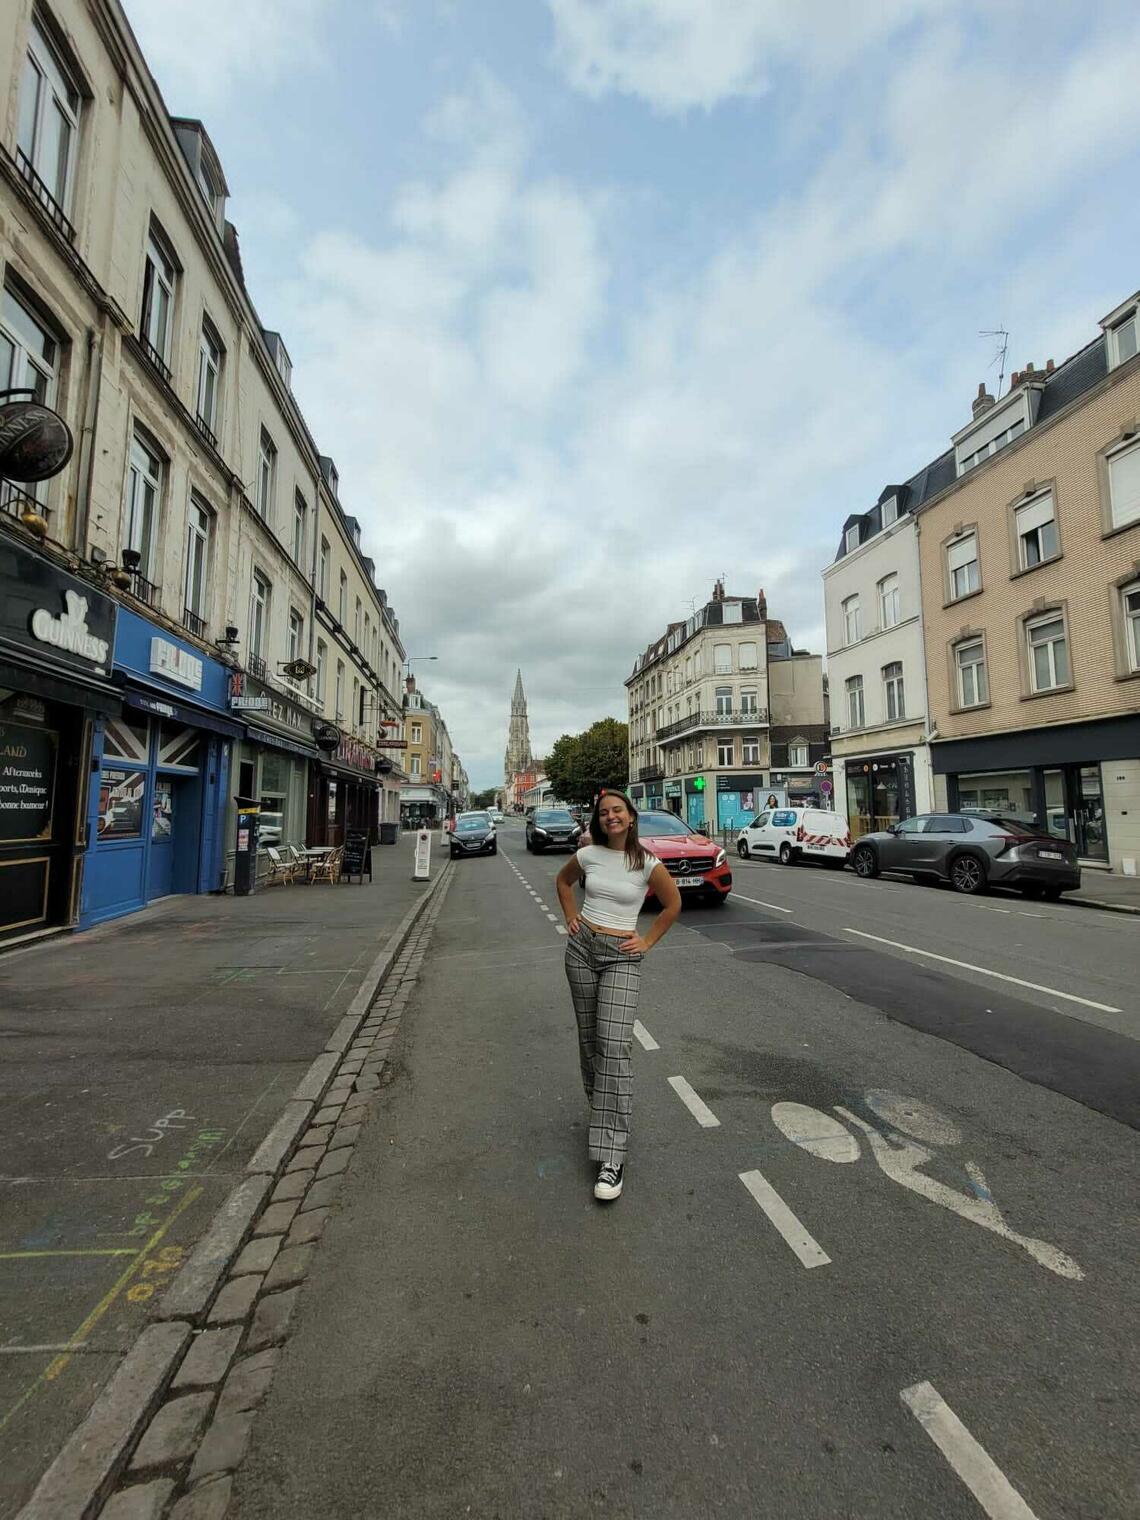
pixel 279 869
pixel 327 869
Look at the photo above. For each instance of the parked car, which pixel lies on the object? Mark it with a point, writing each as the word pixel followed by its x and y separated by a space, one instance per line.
pixel 795 833
pixel 473 834
pixel 972 853
pixel 495 814
pixel 551 829
pixel 698 866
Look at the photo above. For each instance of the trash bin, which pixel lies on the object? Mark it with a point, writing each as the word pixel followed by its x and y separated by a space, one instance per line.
pixel 389 833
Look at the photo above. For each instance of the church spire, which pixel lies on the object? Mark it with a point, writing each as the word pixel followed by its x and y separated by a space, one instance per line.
pixel 518 756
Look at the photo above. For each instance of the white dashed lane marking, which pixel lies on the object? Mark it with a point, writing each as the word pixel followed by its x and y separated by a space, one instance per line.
pixel 646 1039
pixel 973 1464
pixel 805 1246
pixel 696 1105
pixel 761 904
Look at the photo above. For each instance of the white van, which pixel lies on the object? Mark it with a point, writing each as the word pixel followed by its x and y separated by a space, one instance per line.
pixel 786 834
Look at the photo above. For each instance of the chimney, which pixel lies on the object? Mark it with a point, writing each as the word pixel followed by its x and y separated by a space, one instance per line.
pixel 409 684
pixel 718 591
pixel 761 603
pixel 1015 380
pixel 1048 366
pixel 982 402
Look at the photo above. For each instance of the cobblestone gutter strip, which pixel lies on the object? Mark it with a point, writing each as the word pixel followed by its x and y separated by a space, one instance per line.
pixel 183 1466
pixel 177 1413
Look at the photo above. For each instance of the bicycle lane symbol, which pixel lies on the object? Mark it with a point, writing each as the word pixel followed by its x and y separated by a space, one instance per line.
pixel 900 1157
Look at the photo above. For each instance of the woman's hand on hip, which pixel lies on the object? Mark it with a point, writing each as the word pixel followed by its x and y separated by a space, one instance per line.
pixel 573 924
pixel 634 944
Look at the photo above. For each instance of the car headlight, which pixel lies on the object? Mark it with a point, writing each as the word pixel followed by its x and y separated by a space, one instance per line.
pixel 540 831
pixel 721 857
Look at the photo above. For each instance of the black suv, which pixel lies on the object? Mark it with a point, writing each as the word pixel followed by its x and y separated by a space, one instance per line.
pixel 552 829
pixel 972 851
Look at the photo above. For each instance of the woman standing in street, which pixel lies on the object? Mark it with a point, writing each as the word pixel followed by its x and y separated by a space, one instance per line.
pixel 603 966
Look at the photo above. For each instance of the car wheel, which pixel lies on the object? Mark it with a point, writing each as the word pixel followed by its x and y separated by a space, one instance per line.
pixel 787 854
pixel 742 848
pixel 455 854
pixel 967 874
pixel 529 847
pixel 1052 894
pixel 494 850
pixel 864 861
pixel 717 899
pixel 1033 890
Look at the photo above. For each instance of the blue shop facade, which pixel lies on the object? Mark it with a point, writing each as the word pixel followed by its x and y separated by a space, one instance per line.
pixel 160 775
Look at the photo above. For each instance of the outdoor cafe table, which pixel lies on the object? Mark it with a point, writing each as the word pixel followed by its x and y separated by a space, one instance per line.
pixel 314 853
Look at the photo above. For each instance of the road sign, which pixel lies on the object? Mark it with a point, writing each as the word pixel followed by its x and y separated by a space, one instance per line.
pixel 825 788
pixel 822 767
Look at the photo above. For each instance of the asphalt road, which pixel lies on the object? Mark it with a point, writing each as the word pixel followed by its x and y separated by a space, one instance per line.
pixel 859 1269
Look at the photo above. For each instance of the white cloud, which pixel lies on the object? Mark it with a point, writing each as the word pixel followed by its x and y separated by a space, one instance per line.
pixel 202 50
pixel 680 54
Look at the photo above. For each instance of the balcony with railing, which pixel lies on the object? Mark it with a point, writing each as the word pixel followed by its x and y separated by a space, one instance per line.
pixel 206 431
pixel 257 667
pixel 705 722
pixel 650 772
pixel 154 358
pixel 195 624
pixel 142 589
pixel 43 195
pixel 14 502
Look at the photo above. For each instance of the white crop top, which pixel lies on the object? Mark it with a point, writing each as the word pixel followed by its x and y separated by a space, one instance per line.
pixel 614 893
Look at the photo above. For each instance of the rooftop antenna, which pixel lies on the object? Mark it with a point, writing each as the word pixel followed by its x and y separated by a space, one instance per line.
pixel 1000 352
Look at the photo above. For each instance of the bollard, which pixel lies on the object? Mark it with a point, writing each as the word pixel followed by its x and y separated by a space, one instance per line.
pixel 422 870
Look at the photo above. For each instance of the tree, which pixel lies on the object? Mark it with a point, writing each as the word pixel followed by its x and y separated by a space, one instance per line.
pixel 485 799
pixel 579 765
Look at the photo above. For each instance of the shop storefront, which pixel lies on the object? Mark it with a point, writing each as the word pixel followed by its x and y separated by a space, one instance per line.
pixel 272 764
pixel 421 805
pixel 879 792
pixel 674 797
pixel 344 793
pixel 1080 782
pixel 160 775
pixel 57 636
pixel 737 802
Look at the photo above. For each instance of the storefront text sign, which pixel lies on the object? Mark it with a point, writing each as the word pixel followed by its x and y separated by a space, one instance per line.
pixel 250 704
pixel 27 782
pixel 176 664
pixel 352 752
pixel 68 630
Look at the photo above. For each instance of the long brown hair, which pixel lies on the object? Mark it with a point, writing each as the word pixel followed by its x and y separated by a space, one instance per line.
pixel 634 853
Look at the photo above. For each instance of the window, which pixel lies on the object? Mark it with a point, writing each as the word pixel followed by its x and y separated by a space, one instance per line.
pixel 747 655
pixel 732 612
pixel 750 752
pixel 29 360
pixel 159 275
pixel 1036 528
pixel 323 571
pixel 888 601
pixel 266 475
pixel 723 701
pixel 970 660
pixel 322 665
pixel 893 701
pixel 356 622
pixel 962 565
pixel 854 687
pixel 300 520
pixel 1124 484
pixel 748 700
pixel 47 132
pixel 696 662
pixel 724 750
pixel 144 491
pixel 1131 599
pixel 339 690
pixel 259 615
pixel 722 659
pixel 852 620
pixel 1124 338
pixel 355 709
pixel 417 733
pixel 198 524
pixel 889 511
pixel 342 599
pixel 851 538
pixel 1048 653
pixel 986 449
pixel 209 377
pixel 415 770
pixel 296 635
pixel 798 752
pixel 688 669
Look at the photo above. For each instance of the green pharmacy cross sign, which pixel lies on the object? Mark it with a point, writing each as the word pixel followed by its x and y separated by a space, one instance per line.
pixel 699 784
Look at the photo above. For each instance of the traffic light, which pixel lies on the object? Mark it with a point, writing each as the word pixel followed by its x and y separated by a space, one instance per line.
pixel 699 784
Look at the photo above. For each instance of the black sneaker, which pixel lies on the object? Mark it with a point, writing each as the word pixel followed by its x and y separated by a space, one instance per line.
pixel 608 1185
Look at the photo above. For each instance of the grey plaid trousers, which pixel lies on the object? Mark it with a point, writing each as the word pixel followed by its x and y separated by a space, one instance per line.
pixel 604 985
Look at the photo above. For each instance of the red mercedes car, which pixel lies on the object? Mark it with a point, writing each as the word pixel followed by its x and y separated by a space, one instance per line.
pixel 698 866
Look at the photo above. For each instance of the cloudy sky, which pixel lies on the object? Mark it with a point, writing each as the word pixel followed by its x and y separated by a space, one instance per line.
pixel 594 300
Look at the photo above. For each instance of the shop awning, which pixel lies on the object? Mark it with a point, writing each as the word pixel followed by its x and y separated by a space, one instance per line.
pixel 92 694
pixel 278 741
pixel 181 712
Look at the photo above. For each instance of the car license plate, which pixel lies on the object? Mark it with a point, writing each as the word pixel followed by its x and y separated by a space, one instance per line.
pixel 1050 855
pixel 688 881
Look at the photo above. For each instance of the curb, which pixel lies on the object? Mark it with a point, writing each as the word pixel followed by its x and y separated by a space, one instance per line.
pixel 1097 902
pixel 84 1473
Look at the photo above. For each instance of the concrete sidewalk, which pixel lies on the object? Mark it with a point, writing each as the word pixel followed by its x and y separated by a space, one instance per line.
pixel 144 1064
pixel 1103 889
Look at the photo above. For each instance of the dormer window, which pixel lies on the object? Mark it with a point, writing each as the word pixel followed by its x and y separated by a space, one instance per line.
pixel 1124 338
pixel 851 538
pixel 996 427
pixel 889 511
